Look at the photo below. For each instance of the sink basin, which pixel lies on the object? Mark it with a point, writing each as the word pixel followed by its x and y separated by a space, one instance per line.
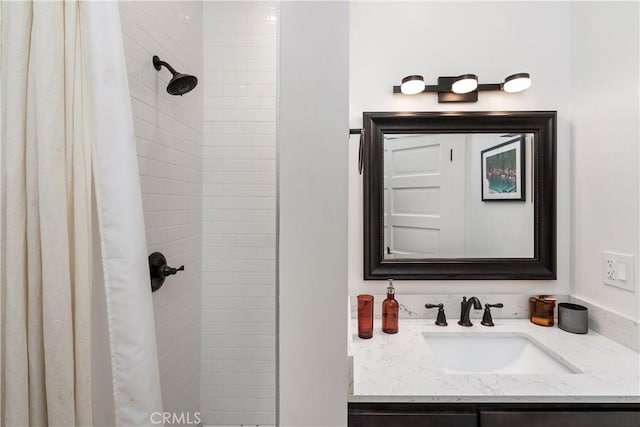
pixel 494 353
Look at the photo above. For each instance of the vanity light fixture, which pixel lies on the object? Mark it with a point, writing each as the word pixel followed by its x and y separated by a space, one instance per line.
pixel 463 88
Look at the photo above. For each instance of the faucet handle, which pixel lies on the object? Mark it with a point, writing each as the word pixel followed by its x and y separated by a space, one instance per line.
pixel 487 320
pixel 442 319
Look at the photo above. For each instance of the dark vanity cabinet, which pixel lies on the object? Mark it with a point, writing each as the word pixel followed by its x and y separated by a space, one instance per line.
pixel 494 415
pixel 413 419
pixel 561 418
pixel 411 415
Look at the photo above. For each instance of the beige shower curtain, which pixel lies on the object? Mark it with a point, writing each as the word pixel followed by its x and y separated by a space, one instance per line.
pixel 46 316
pixel 68 158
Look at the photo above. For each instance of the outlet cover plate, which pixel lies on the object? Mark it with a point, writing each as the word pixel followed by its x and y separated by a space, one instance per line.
pixel 618 270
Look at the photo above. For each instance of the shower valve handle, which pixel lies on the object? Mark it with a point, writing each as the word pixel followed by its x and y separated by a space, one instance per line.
pixel 159 270
pixel 168 271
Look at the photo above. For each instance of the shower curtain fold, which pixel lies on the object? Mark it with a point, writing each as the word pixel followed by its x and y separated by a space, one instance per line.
pixel 67 128
pixel 136 378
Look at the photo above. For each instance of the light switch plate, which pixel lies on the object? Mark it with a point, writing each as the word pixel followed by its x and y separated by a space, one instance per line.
pixel 618 270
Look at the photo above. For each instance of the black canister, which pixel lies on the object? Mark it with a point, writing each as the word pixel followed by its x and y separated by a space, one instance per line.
pixel 573 318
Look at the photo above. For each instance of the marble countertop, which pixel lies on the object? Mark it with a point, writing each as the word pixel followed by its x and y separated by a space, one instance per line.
pixel 402 368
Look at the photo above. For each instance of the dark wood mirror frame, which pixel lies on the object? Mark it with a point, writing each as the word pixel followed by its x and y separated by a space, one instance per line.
pixel 542 266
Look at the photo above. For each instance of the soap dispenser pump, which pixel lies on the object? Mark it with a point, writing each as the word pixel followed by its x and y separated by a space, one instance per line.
pixel 390 308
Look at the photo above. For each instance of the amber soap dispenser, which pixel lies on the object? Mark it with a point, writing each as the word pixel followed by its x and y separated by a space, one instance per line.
pixel 390 311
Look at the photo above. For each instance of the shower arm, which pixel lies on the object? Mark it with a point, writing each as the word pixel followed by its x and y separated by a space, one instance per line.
pixel 158 63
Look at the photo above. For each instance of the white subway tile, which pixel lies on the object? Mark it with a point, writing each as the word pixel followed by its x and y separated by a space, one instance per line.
pixel 246 417
pixel 169 144
pixel 235 103
pixel 238 245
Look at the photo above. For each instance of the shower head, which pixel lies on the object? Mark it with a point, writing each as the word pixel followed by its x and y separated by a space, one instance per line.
pixel 180 83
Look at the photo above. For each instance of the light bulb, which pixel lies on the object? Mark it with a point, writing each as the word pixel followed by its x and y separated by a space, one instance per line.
pixel 412 85
pixel 465 83
pixel 517 82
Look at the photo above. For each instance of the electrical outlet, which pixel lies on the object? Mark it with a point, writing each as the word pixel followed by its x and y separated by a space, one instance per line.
pixel 610 269
pixel 618 270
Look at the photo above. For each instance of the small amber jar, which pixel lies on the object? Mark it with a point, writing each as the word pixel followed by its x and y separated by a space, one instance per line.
pixel 541 310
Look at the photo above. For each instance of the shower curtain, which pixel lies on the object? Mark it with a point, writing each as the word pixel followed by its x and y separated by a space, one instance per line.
pixel 72 223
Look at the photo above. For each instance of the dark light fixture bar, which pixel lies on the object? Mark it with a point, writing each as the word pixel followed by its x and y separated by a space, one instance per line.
pixel 463 88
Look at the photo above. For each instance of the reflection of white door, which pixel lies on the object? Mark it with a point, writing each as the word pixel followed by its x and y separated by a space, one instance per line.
pixel 424 195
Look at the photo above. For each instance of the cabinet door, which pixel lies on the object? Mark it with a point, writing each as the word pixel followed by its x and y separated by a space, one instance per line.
pixel 400 419
pixel 560 419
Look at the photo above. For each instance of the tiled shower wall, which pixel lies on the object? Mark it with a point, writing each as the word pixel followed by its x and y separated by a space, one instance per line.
pixel 169 143
pixel 238 258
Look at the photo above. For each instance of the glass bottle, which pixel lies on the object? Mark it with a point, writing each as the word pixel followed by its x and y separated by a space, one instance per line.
pixel 390 311
pixel 365 316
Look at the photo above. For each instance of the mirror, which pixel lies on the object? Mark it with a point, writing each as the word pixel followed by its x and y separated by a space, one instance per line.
pixel 459 195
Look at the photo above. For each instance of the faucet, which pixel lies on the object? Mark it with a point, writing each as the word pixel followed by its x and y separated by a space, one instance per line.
pixel 465 308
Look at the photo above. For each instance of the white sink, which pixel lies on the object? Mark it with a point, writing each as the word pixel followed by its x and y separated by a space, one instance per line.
pixel 494 353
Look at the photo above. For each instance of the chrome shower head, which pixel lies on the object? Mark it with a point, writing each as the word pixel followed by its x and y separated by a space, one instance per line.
pixel 180 83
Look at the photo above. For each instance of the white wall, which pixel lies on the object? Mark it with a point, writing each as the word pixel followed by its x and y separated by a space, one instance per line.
pixel 312 174
pixel 390 40
pixel 605 133
pixel 238 258
pixel 169 136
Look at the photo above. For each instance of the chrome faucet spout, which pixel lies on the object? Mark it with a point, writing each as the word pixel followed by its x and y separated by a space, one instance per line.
pixel 465 309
